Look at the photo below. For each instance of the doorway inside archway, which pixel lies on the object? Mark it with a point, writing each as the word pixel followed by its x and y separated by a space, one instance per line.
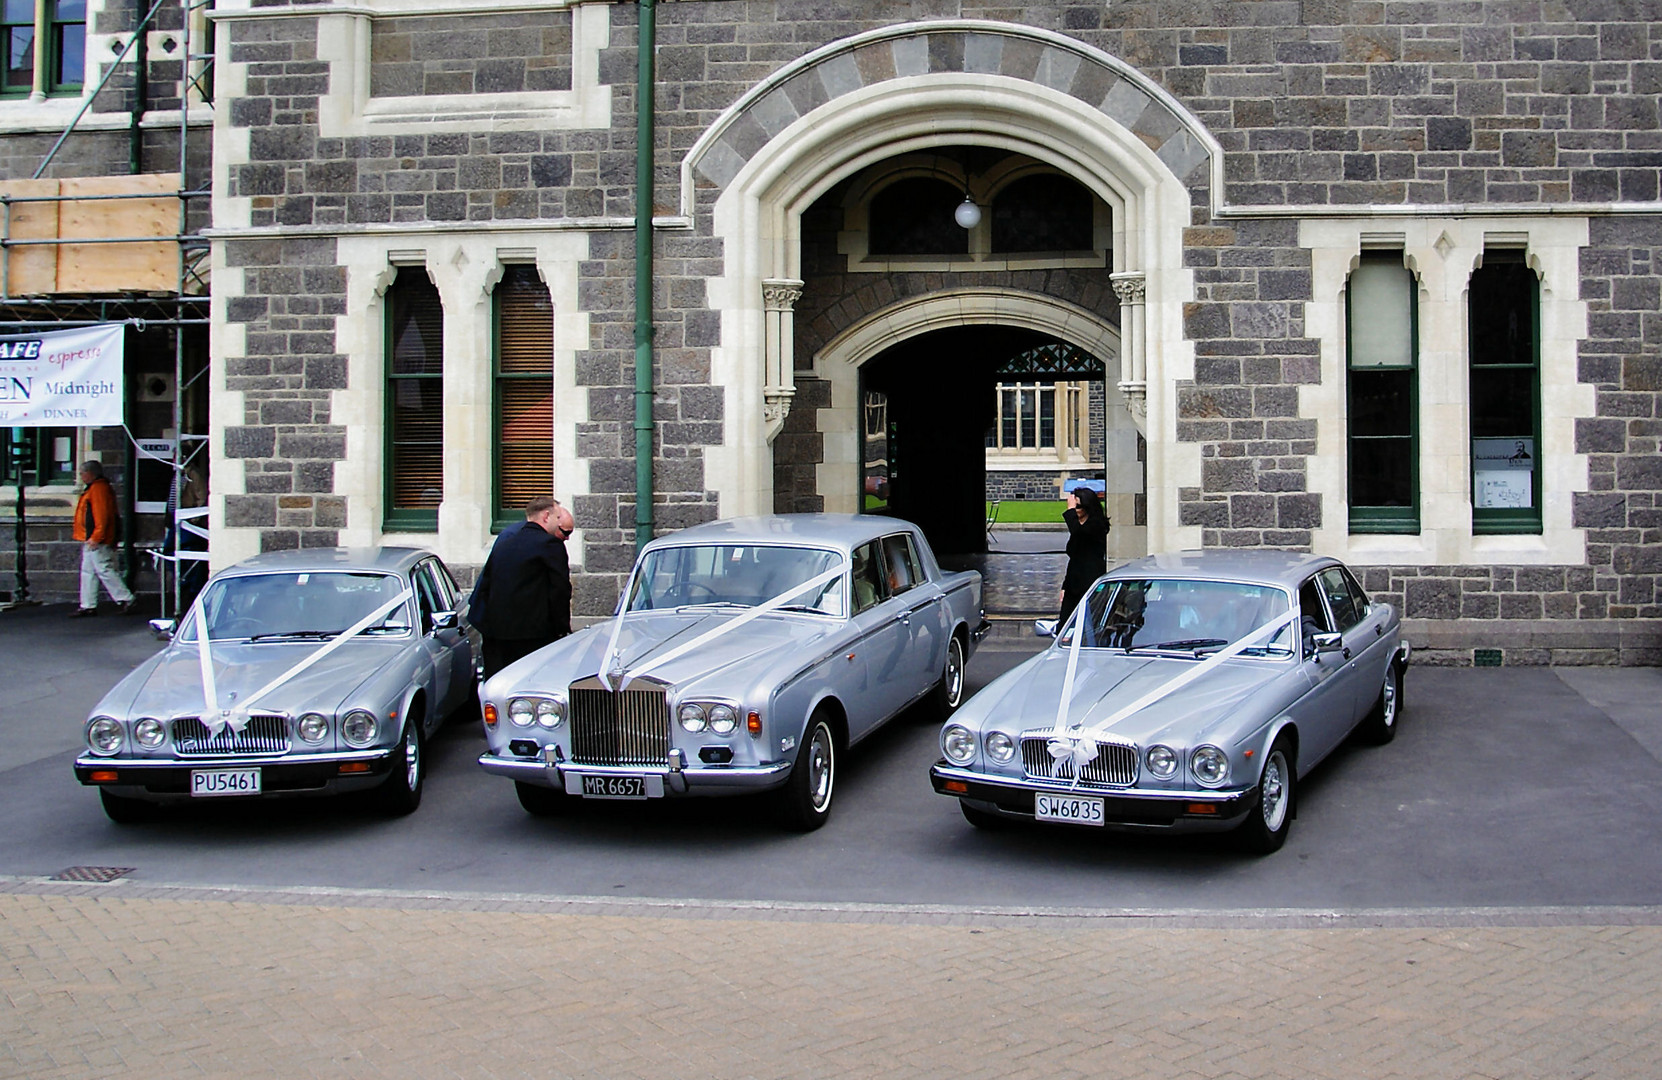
pixel 975 433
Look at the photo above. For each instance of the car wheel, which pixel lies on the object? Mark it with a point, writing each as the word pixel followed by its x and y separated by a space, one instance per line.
pixel 401 791
pixel 805 800
pixel 949 692
pixel 540 801
pixel 1380 726
pixel 1266 827
pixel 981 819
pixel 125 811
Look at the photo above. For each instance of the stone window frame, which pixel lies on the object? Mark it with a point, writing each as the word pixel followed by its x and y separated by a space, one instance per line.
pixel 1443 252
pixel 854 241
pixel 466 268
pixel 349 111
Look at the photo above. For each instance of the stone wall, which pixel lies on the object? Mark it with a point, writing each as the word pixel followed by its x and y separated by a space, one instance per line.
pixel 1331 104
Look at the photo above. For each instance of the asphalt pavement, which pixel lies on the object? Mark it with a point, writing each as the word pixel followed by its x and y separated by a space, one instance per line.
pixel 1482 897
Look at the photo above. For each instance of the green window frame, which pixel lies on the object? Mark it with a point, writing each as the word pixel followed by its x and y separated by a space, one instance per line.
pixel 67 33
pixel 522 394
pixel 1382 396
pixel 414 418
pixel 48 455
pixel 1504 394
pixel 24 24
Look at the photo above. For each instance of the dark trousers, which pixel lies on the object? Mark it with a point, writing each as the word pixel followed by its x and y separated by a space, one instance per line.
pixel 500 652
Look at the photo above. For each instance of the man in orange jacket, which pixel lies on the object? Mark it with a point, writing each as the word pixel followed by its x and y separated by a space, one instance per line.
pixel 95 527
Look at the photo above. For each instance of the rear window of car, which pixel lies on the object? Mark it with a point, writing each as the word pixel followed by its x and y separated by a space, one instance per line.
pixel 312 603
pixel 1182 614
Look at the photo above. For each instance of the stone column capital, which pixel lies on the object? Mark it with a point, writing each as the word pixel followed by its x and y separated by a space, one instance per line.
pixel 781 294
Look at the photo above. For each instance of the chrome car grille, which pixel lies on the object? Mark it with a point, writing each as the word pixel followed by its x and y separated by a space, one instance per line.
pixel 1115 764
pixel 631 728
pixel 261 735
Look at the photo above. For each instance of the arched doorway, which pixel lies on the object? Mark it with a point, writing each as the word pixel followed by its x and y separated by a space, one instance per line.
pixel 912 89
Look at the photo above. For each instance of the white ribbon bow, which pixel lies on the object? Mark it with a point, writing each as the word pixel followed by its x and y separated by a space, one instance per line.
pixel 217 719
pixel 619 678
pixel 1072 754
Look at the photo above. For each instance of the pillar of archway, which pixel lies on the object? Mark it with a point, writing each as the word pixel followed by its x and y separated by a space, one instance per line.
pixel 909 88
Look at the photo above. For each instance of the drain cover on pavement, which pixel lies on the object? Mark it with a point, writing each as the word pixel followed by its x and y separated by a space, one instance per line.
pixel 92 873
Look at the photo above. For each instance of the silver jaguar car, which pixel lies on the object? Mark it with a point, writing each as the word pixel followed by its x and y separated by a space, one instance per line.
pixel 295 673
pixel 1187 692
pixel 746 656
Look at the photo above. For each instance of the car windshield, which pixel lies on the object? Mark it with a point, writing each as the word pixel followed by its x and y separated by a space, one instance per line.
pixel 306 604
pixel 1181 615
pixel 736 575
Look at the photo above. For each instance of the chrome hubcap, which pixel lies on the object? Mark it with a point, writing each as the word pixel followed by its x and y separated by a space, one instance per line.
pixel 412 761
pixel 820 768
pixel 1273 802
pixel 954 673
pixel 1390 705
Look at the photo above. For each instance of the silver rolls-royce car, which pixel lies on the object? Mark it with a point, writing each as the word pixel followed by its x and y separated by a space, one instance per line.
pixel 294 673
pixel 1187 692
pixel 746 655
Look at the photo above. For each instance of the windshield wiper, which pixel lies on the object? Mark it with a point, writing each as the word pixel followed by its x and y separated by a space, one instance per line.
pixel 1186 644
pixel 711 604
pixel 805 608
pixel 294 634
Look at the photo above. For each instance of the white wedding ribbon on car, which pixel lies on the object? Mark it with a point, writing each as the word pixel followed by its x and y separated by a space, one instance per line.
pixel 1078 749
pixel 236 718
pixel 619 678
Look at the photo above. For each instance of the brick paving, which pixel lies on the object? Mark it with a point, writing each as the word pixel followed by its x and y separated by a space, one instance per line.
pixel 132 980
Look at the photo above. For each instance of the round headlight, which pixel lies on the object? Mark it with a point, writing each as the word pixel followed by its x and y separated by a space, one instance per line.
pixel 104 735
pixel 723 720
pixel 1162 761
pixel 692 717
pixel 1210 766
pixel 550 712
pixel 359 728
pixel 312 727
pixel 148 733
pixel 522 711
pixel 1000 747
pixel 958 744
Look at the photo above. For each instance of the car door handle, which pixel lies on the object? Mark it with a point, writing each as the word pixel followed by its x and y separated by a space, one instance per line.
pixel 1378 629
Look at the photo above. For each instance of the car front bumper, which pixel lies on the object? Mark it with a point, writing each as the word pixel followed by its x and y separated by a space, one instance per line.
pixel 1125 808
pixel 660 781
pixel 168 779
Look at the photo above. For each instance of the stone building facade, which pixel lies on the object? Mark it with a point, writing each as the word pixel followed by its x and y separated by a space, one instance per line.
pixel 1247 156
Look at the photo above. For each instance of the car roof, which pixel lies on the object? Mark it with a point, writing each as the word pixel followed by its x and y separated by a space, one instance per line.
pixel 841 531
pixel 383 559
pixel 1269 566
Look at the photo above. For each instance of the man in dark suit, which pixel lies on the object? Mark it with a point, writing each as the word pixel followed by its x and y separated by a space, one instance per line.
pixel 522 600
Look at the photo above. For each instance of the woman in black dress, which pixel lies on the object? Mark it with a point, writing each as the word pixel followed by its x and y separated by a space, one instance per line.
pixel 1087 547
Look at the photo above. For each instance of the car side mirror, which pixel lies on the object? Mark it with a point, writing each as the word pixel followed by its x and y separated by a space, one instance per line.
pixel 445 620
pixel 163 628
pixel 1044 628
pixel 1328 642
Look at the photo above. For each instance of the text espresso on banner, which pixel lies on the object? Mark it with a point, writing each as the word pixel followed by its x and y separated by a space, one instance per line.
pixel 62 378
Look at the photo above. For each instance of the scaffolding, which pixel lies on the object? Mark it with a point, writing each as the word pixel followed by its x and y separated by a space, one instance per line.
pixel 146 301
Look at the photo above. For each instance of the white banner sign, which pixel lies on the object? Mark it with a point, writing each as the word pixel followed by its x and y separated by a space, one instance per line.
pixel 62 378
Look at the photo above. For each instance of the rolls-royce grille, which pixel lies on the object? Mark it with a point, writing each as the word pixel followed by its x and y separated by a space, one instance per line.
pixel 1115 764
pixel 631 728
pixel 261 735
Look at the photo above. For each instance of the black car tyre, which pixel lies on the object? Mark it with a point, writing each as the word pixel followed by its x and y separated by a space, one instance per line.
pixel 805 800
pixel 539 801
pixel 981 819
pixel 125 811
pixel 1266 827
pixel 949 692
pixel 1380 725
pixel 400 793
